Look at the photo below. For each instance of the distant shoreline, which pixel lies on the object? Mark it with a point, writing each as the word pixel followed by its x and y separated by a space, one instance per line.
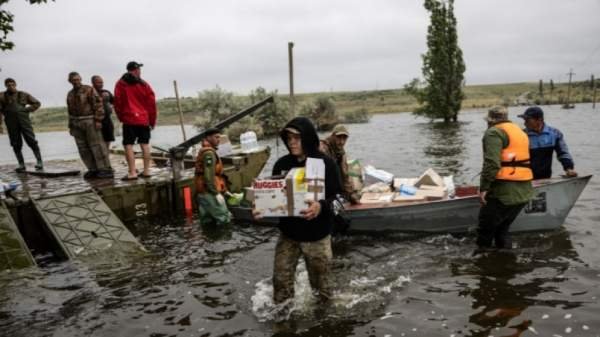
pixel 374 101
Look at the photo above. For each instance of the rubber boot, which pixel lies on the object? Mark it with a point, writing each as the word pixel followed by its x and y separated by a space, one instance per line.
pixel 39 166
pixel 21 167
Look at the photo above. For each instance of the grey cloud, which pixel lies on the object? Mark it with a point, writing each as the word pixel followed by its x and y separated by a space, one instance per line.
pixel 340 45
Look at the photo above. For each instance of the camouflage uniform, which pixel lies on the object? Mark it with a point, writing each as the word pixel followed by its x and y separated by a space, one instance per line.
pixel 85 110
pixel 329 147
pixel 317 256
pixel 210 184
pixel 16 107
pixel 108 127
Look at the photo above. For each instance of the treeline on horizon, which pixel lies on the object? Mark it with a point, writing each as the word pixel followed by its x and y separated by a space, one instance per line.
pixel 347 106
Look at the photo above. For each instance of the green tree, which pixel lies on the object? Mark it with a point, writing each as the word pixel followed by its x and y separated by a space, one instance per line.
pixel 443 66
pixel 322 112
pixel 273 116
pixel 6 24
pixel 217 104
pixel 541 88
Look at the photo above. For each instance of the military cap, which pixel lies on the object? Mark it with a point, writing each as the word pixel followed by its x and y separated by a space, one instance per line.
pixel 497 113
pixel 340 130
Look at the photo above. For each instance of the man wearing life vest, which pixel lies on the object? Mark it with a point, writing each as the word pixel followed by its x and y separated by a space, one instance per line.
pixel 210 181
pixel 505 186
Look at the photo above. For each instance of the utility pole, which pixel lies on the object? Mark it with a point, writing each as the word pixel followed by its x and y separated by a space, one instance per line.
pixel 595 88
pixel 570 73
pixel 291 67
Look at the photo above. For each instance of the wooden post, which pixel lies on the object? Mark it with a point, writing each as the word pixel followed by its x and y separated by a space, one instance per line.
pixel 179 109
pixel 291 68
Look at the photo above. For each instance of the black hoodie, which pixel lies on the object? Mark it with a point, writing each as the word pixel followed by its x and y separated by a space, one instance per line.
pixel 297 228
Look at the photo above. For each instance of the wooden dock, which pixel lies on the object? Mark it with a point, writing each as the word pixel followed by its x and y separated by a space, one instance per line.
pixel 69 216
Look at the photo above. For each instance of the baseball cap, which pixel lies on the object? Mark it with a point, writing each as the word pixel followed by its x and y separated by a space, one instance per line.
pixel 133 65
pixel 340 130
pixel 497 113
pixel 532 112
pixel 292 130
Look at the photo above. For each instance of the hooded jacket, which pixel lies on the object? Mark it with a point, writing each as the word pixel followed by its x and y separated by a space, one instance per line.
pixel 134 101
pixel 297 228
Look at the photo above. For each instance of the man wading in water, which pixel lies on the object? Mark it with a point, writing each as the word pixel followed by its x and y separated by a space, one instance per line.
pixel 308 236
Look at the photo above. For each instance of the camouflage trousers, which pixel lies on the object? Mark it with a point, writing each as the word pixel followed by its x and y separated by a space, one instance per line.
pixel 211 210
pixel 317 256
pixel 91 146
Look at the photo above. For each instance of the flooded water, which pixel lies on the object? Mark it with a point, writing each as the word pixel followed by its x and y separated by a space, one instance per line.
pixel 202 281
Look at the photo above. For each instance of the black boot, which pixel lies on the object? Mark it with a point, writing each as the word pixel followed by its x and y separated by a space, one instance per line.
pixel 21 167
pixel 39 166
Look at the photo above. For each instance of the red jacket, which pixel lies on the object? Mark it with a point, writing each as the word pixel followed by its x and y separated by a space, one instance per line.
pixel 134 102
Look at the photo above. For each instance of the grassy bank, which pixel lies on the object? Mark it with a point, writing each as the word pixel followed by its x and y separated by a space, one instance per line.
pixel 374 101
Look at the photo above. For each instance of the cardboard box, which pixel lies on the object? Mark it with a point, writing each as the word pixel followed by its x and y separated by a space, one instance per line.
pixel 377 198
pixel 431 194
pixel 429 177
pixel 408 198
pixel 373 175
pixel 404 181
pixel 289 195
pixel 270 197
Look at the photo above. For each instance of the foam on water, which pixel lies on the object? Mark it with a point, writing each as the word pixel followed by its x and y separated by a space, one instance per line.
pixel 361 290
pixel 265 309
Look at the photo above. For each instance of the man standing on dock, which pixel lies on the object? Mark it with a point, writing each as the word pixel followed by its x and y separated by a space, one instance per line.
pixel 108 128
pixel 333 147
pixel 505 186
pixel 85 124
pixel 544 140
pixel 210 181
pixel 135 106
pixel 16 106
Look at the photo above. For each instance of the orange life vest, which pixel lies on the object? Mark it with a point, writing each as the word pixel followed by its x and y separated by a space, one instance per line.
pixel 514 160
pixel 220 183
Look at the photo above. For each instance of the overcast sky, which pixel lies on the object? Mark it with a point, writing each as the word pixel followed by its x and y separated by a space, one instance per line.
pixel 339 45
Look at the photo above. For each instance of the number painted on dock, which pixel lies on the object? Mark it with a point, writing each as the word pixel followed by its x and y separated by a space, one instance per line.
pixel 141 209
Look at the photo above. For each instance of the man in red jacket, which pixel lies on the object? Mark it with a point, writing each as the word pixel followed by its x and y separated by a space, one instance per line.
pixel 135 106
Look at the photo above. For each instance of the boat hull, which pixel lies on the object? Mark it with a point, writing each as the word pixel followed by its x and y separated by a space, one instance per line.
pixel 553 200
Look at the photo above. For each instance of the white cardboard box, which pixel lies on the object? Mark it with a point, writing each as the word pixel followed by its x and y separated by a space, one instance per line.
pixel 270 197
pixel 373 175
pixel 290 195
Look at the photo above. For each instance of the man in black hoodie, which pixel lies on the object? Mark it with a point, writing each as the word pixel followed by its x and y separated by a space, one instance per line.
pixel 310 235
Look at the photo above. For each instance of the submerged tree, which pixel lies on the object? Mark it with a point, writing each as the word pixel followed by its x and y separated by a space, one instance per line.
pixel 273 116
pixel 6 24
pixel 443 66
pixel 322 112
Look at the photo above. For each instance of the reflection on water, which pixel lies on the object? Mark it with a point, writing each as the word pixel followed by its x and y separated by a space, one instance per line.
pixel 509 282
pixel 216 281
pixel 445 148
